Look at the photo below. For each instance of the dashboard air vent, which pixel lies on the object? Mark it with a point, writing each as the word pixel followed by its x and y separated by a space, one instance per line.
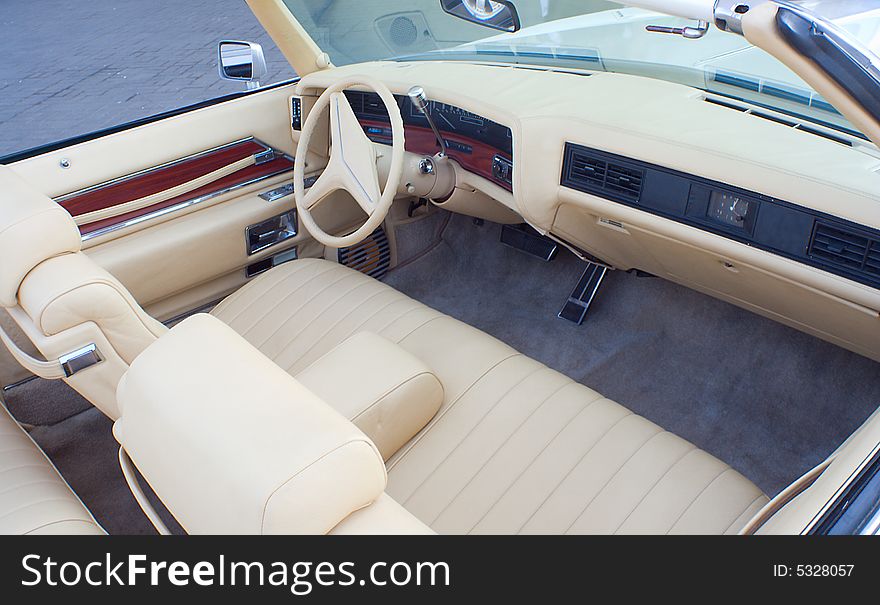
pixel 588 171
pixel 846 248
pixel 367 104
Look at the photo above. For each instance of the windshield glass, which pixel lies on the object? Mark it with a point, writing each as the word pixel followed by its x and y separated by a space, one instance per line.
pixel 584 34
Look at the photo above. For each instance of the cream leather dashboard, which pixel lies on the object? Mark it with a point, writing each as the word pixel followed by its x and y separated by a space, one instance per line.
pixel 671 126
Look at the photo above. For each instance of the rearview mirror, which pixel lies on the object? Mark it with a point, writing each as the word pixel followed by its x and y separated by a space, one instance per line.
pixel 242 61
pixel 497 14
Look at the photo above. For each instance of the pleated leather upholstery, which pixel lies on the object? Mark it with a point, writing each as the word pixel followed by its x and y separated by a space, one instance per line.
pixel 516 447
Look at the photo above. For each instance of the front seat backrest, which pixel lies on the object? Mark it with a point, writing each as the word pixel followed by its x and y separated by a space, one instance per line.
pixel 62 300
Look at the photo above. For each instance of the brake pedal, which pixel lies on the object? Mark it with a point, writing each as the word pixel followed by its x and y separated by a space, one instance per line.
pixel 575 309
pixel 524 238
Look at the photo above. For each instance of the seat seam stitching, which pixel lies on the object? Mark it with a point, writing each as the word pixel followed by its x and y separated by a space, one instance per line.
pixel 284 298
pixel 299 308
pixel 235 296
pixel 289 368
pixel 336 324
pixel 697 497
pixel 35 503
pixel 575 465
pixel 287 296
pixel 50 523
pixel 49 480
pixel 750 504
pixel 656 483
pixel 291 338
pixel 424 431
pixel 501 446
pixel 538 455
pixel 390 391
pixel 612 477
pixel 472 429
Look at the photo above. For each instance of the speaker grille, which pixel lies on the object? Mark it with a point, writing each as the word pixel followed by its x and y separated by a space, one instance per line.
pixel 371 257
pixel 403 32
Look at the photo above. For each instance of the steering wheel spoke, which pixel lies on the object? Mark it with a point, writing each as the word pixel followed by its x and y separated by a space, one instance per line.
pixel 352 154
pixel 352 165
pixel 319 190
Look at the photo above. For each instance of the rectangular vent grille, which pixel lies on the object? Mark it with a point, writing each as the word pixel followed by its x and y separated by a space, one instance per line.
pixel 367 104
pixel 847 249
pixel 371 257
pixel 592 173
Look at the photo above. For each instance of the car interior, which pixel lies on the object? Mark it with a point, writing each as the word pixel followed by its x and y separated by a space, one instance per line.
pixel 444 296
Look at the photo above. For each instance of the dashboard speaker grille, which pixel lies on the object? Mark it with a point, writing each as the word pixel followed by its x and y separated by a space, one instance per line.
pixel 845 248
pixel 371 257
pixel 591 173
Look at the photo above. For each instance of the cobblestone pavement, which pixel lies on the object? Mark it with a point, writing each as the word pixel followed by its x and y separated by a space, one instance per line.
pixel 74 67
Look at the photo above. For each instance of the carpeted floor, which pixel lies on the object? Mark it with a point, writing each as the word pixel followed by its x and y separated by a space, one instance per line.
pixel 767 399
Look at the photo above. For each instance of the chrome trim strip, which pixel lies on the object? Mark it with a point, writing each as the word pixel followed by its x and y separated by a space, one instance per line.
pixel 81 359
pixel 840 490
pixel 873 526
pixel 309 181
pixel 180 206
pixel 139 173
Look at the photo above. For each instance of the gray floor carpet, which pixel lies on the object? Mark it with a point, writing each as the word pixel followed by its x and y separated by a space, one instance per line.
pixel 770 401
pixel 767 399
pixel 43 402
pixel 82 447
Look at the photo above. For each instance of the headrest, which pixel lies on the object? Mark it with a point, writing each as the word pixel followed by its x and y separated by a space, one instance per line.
pixel 231 443
pixel 33 228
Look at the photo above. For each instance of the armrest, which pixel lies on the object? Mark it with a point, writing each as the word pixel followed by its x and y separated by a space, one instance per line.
pixel 233 444
pixel 383 389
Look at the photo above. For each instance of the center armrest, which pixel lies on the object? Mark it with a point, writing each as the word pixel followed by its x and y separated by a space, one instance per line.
pixel 231 443
pixel 383 389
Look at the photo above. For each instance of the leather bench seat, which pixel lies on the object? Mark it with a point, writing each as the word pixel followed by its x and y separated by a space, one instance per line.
pixel 516 447
pixel 34 499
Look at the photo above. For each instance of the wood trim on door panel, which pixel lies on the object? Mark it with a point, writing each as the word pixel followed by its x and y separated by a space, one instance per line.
pixel 163 177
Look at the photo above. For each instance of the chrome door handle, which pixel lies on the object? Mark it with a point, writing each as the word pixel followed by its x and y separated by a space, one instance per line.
pixel 268 233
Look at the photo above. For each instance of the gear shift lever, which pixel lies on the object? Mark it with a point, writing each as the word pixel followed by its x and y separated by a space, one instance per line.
pixel 417 96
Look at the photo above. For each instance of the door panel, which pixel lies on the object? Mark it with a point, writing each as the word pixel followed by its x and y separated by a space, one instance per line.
pixel 188 250
pixel 153 182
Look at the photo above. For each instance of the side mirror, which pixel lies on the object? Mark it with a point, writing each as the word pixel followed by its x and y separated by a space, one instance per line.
pixel 242 61
pixel 497 14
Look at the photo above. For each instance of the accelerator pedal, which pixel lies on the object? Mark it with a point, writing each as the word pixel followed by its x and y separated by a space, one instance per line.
pixel 524 238
pixel 371 257
pixel 575 309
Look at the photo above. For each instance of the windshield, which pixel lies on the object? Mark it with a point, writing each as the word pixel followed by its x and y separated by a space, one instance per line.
pixel 584 34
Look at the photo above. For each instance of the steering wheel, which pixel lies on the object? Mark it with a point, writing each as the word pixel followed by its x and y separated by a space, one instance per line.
pixel 352 165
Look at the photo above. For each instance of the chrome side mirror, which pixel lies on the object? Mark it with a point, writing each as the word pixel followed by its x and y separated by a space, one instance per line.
pixel 241 61
pixel 497 14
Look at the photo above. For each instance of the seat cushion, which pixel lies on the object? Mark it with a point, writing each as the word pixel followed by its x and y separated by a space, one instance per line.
pixel 516 447
pixel 34 499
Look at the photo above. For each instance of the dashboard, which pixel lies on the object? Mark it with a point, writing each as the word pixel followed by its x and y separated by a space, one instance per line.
pixel 478 144
pixel 807 236
pixel 712 193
